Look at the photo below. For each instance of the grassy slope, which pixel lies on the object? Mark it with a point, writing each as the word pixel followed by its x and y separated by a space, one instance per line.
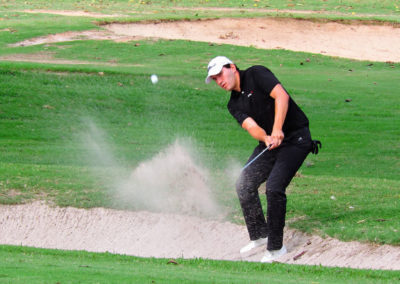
pixel 45 266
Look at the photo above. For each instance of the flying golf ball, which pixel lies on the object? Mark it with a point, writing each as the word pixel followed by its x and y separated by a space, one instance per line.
pixel 154 78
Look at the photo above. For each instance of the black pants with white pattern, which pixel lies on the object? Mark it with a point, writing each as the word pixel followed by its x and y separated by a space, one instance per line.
pixel 277 167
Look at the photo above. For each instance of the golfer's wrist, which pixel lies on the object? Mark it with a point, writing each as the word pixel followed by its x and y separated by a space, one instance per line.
pixel 277 129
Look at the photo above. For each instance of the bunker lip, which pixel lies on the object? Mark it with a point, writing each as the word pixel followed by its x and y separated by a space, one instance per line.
pixel 167 235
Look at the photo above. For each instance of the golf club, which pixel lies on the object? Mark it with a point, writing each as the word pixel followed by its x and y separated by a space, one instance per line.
pixel 256 157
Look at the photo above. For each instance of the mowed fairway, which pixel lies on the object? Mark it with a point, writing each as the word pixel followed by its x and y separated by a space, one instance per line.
pixel 350 191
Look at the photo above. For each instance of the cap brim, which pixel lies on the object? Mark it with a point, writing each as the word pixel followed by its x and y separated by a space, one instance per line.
pixel 213 71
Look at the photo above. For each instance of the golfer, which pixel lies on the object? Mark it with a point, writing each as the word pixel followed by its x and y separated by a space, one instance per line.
pixel 262 106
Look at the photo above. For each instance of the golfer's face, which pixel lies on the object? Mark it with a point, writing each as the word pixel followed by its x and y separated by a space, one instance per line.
pixel 225 79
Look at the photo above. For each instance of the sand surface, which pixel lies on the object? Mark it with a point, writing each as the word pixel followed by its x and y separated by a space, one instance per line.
pixel 371 42
pixel 149 234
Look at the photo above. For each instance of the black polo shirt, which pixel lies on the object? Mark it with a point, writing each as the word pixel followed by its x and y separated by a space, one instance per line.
pixel 254 100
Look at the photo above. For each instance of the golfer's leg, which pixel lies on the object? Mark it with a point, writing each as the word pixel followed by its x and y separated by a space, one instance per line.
pixel 247 190
pixel 288 161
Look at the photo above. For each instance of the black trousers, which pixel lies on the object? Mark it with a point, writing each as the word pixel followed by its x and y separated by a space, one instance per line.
pixel 277 167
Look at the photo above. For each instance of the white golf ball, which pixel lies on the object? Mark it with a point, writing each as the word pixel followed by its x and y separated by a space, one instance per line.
pixel 154 78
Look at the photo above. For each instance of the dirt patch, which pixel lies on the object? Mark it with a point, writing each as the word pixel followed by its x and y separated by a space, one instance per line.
pixel 48 57
pixel 74 13
pixel 43 57
pixel 148 234
pixel 362 42
pixel 68 36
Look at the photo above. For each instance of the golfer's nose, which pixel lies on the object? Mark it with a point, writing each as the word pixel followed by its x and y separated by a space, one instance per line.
pixel 219 81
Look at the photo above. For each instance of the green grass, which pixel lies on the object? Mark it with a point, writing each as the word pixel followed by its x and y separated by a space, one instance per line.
pixel 341 213
pixel 124 10
pixel 366 6
pixel 29 265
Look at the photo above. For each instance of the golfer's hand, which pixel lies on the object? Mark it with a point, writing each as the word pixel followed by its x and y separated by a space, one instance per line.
pixel 275 139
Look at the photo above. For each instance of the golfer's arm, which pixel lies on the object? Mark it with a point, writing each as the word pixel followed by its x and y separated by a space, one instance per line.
pixel 281 106
pixel 254 129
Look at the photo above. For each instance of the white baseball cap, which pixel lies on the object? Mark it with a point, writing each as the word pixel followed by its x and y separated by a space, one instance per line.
pixel 215 66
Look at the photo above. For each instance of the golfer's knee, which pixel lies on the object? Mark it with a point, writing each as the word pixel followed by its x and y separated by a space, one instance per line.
pixel 244 191
pixel 276 196
pixel 276 187
pixel 276 193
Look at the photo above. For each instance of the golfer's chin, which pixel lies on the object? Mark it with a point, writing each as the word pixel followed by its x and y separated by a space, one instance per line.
pixel 226 87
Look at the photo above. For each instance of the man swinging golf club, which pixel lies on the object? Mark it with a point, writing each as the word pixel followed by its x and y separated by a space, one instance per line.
pixel 262 106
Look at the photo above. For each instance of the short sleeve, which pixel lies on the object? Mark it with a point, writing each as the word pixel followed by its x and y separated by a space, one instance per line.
pixel 264 78
pixel 237 114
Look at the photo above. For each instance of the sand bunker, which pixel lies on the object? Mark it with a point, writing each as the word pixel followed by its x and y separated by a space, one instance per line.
pixel 362 42
pixel 172 236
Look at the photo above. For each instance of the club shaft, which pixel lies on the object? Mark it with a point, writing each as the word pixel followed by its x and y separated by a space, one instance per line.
pixel 255 158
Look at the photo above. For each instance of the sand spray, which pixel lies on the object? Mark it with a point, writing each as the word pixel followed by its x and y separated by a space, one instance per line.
pixel 172 181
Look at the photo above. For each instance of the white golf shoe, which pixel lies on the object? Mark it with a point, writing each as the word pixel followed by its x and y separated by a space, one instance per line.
pixel 254 244
pixel 272 255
